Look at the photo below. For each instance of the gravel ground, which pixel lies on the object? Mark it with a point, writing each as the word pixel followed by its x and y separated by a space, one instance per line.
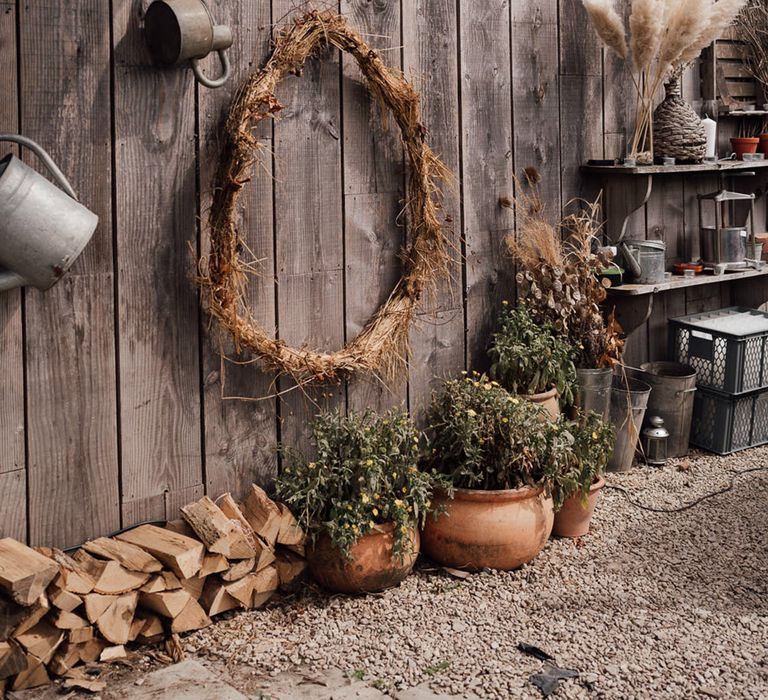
pixel 648 605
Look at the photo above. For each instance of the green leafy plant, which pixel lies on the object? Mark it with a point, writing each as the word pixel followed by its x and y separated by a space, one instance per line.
pixel 364 474
pixel 483 437
pixel 582 450
pixel 527 357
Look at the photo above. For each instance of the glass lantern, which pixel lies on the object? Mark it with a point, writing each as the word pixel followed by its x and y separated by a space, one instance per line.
pixel 654 440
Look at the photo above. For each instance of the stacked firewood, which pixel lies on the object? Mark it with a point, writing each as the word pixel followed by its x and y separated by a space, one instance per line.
pixel 59 610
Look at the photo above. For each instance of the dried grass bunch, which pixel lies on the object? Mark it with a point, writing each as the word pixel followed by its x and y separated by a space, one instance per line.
pixel 557 280
pixel 382 346
pixel 665 36
pixel 752 26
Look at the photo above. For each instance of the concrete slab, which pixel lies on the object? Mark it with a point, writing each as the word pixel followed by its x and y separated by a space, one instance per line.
pixel 188 680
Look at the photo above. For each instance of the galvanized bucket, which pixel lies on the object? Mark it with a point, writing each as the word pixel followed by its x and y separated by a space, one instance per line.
pixel 593 391
pixel 629 399
pixel 673 386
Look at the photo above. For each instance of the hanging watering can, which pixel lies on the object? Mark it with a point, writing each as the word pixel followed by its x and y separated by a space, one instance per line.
pixel 184 30
pixel 42 229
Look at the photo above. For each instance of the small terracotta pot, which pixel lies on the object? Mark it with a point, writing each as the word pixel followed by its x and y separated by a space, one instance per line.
pixel 744 144
pixel 573 519
pixel 371 565
pixel 548 400
pixel 763 144
pixel 488 529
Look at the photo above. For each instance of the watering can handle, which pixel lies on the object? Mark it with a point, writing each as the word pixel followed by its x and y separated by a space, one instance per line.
pixel 46 159
pixel 217 82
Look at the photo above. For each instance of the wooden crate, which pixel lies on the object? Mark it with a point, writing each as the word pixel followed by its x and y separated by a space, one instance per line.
pixel 725 78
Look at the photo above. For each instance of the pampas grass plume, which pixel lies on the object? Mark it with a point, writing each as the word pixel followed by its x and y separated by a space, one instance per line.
pixel 723 13
pixel 608 25
pixel 688 20
pixel 646 25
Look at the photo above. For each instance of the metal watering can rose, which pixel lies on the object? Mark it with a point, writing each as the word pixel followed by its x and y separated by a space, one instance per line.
pixel 184 30
pixel 42 228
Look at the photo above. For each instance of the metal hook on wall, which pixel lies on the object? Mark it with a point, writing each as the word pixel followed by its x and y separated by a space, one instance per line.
pixel 184 30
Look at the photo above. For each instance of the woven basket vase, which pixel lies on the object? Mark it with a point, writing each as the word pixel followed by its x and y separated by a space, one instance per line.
pixel 677 129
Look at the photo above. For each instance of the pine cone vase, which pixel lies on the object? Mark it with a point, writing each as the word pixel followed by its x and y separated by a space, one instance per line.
pixel 677 130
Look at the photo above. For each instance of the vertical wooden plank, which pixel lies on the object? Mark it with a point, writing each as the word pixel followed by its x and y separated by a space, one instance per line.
pixel 430 41
pixel 619 99
pixel 13 508
pixel 373 192
pixel 487 167
pixel 309 226
pixel 157 302
pixel 535 95
pixel 240 435
pixel 70 343
pixel 581 94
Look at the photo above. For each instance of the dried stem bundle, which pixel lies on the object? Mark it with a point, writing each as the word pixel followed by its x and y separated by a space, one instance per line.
pixel 752 25
pixel 382 346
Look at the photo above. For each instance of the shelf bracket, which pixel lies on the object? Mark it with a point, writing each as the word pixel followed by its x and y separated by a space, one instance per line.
pixel 632 311
pixel 623 197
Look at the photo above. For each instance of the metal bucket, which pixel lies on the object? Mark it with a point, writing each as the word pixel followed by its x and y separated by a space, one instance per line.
pixel 727 244
pixel 593 391
pixel 673 386
pixel 646 260
pixel 629 399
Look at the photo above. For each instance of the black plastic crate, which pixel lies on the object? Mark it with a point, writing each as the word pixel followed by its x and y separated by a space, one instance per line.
pixel 728 348
pixel 725 424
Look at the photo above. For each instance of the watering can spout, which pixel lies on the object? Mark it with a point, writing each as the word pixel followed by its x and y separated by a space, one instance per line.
pixel 10 280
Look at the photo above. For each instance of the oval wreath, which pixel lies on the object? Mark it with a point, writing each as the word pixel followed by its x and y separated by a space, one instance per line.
pixel 382 346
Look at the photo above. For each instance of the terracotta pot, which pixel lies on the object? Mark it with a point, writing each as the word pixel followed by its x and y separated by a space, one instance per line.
pixel 371 565
pixel 745 144
pixel 573 519
pixel 488 529
pixel 547 400
pixel 763 144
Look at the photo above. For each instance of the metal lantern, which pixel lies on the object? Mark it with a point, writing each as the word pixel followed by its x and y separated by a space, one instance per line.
pixel 184 30
pixel 655 440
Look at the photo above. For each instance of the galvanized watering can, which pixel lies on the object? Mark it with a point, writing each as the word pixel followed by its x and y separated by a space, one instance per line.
pixel 42 229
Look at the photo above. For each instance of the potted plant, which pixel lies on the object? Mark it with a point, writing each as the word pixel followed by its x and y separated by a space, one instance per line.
pixel 559 266
pixel 495 450
pixel 582 461
pixel 360 499
pixel 530 360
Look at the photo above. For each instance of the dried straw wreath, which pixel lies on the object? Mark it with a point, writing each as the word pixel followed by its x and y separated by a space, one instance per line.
pixel 382 345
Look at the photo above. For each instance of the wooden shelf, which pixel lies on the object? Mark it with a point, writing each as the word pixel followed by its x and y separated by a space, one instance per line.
pixel 700 168
pixel 681 282
pixel 744 113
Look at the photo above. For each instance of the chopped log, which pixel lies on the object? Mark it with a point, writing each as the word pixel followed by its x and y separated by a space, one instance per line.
pixel 237 571
pixel 33 676
pixel 114 653
pixel 290 569
pixel 79 636
pixel 265 584
pixel 219 534
pixel 64 620
pixel 11 614
pixel 136 626
pixel 215 599
pixel 213 564
pixel 13 660
pixel 24 573
pixel 115 622
pixel 61 598
pixel 156 584
pixel 153 627
pixel 183 555
pixel 233 512
pixel 34 614
pixel 86 684
pixel 172 583
pixel 110 577
pixel 174 649
pixel 193 586
pixel 266 557
pixel 180 526
pixel 242 590
pixel 74 578
pixel 128 555
pixel 291 533
pixel 166 603
pixel 65 658
pixel 41 641
pixel 192 617
pixel 96 605
pixel 262 514
pixel 90 651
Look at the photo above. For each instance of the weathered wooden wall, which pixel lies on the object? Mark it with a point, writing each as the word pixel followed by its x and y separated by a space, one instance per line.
pixel 111 383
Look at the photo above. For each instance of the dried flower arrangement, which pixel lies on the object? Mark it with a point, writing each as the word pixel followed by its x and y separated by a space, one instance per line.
pixel 557 277
pixel 665 36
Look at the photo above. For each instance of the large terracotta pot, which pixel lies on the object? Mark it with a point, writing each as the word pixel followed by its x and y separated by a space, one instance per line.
pixel 547 399
pixel 488 529
pixel 573 519
pixel 371 565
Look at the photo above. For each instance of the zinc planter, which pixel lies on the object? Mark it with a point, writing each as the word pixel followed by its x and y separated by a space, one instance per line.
pixel 488 529
pixel 371 566
pixel 572 520
pixel 547 400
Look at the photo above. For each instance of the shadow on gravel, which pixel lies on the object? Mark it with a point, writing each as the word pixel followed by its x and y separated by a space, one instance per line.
pixel 714 556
